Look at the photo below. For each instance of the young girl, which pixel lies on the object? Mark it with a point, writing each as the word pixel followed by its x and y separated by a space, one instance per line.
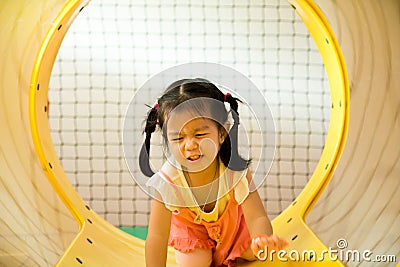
pixel 206 205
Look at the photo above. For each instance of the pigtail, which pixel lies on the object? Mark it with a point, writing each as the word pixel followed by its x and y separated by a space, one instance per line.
pixel 151 123
pixel 229 148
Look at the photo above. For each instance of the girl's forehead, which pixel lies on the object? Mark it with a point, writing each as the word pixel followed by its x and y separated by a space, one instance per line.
pixel 199 110
pixel 179 124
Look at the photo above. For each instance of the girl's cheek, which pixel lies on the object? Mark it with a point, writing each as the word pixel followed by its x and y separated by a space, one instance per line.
pixel 179 152
pixel 174 150
pixel 208 146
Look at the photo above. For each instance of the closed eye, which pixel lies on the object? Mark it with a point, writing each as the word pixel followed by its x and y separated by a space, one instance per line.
pixel 176 139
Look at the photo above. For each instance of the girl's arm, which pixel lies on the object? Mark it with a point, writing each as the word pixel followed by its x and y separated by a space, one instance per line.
pixel 158 234
pixel 254 213
pixel 258 223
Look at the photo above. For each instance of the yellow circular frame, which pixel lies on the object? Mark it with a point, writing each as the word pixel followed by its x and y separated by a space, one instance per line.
pixel 112 246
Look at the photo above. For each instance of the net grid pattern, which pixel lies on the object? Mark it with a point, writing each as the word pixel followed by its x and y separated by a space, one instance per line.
pixel 112 48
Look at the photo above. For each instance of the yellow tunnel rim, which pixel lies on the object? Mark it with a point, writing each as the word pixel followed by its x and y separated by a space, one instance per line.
pixel 318 26
pixel 38 85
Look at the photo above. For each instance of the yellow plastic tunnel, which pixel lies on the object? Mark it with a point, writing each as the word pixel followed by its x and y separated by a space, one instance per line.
pixel 45 222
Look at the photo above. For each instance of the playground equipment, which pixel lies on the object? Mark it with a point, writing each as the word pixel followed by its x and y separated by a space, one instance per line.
pixel 44 221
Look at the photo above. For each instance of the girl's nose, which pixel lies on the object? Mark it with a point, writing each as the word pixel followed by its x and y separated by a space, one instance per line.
pixel 191 144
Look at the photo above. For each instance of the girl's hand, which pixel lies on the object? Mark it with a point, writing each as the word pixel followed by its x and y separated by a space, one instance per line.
pixel 261 242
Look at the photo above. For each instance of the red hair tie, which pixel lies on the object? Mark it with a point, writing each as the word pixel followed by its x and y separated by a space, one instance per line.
pixel 155 106
pixel 226 95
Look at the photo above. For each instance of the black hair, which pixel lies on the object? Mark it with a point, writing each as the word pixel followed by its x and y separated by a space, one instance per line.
pixel 181 91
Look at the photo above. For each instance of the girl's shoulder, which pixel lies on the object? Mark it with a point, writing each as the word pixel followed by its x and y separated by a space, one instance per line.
pixel 168 173
pixel 236 181
pixel 168 183
pixel 233 177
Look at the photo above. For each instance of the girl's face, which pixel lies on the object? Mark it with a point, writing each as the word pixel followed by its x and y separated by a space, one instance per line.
pixel 194 143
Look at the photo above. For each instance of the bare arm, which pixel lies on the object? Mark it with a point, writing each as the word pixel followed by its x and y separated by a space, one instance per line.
pixel 254 213
pixel 157 238
pixel 258 223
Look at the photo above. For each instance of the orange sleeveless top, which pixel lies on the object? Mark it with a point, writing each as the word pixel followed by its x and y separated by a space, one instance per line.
pixel 228 236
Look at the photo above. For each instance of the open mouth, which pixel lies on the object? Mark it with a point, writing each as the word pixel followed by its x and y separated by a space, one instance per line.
pixel 194 157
